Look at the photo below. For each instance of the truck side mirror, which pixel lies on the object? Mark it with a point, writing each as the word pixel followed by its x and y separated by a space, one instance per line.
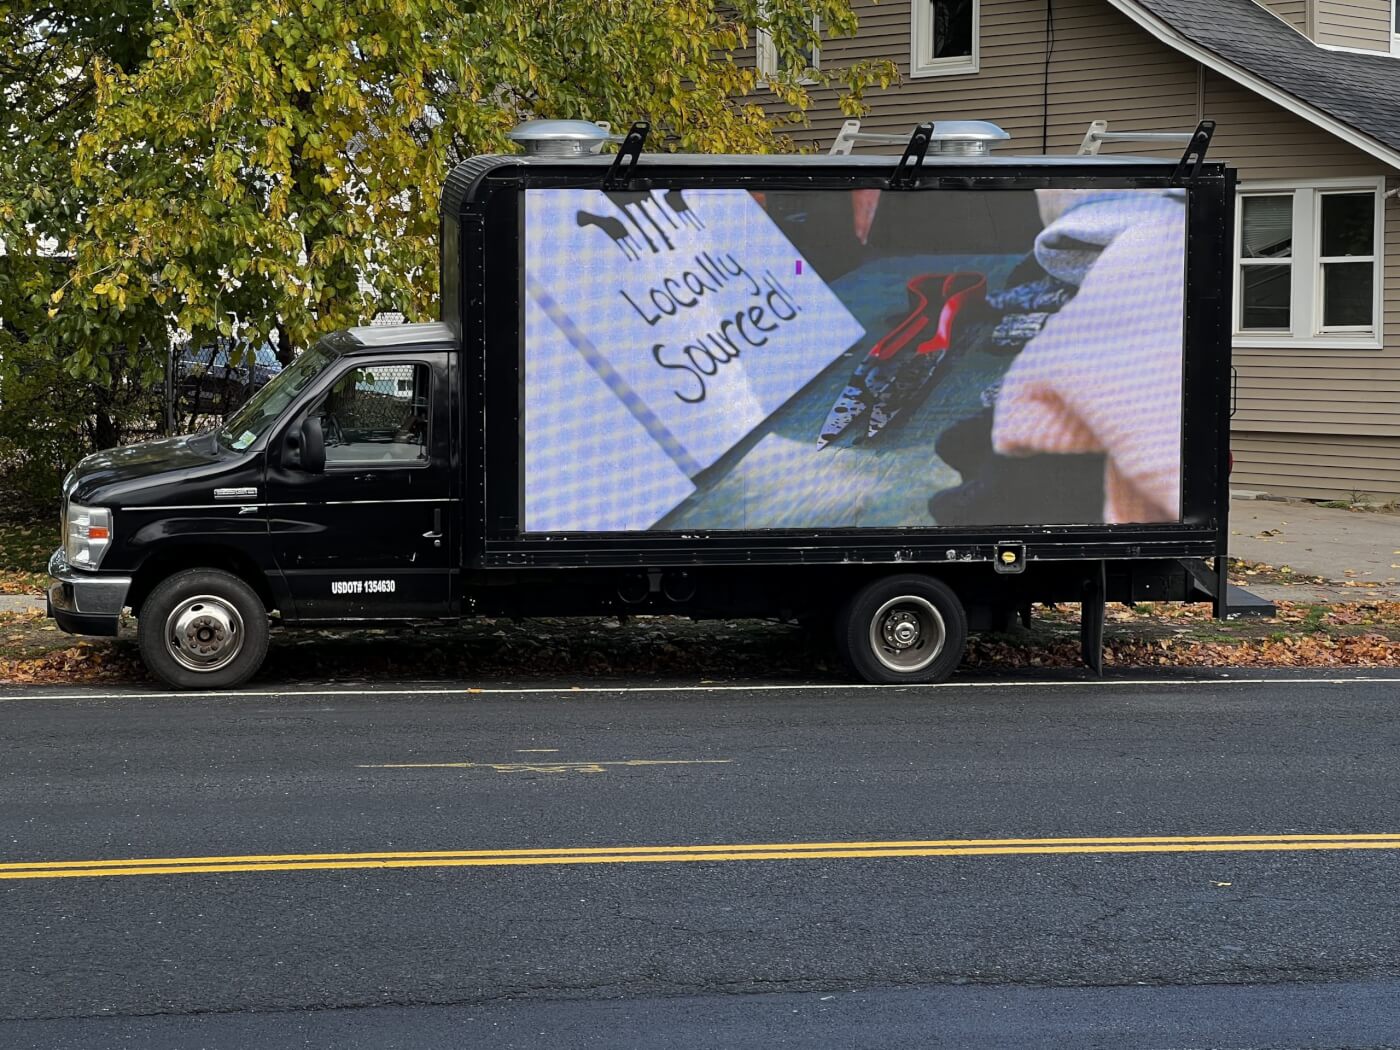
pixel 313 446
pixel 304 447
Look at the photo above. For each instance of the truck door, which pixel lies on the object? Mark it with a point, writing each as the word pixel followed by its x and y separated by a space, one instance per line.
pixel 370 536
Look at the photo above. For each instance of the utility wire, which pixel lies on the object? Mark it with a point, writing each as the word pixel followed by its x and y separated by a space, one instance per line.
pixel 1045 94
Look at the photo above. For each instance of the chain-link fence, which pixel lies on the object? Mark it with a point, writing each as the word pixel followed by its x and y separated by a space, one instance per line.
pixel 206 384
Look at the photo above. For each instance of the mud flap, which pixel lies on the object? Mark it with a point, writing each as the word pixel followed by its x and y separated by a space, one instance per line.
pixel 1091 617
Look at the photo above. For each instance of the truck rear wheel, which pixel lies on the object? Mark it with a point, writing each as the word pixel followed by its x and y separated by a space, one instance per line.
pixel 203 629
pixel 903 630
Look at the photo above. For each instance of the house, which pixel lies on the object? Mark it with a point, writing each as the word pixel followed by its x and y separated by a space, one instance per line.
pixel 1306 94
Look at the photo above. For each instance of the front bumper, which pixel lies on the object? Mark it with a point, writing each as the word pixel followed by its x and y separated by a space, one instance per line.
pixel 83 602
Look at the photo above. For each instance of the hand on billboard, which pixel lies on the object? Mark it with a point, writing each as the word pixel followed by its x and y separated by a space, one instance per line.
pixel 1104 375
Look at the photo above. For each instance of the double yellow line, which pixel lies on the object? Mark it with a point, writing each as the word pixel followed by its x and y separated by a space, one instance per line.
pixel 673 854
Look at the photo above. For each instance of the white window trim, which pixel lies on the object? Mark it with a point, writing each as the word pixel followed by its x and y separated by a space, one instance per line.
pixel 1372 51
pixel 1395 28
pixel 921 62
pixel 1306 299
pixel 767 55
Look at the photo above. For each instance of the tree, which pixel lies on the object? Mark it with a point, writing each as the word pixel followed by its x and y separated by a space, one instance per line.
pixel 274 166
pixel 49 54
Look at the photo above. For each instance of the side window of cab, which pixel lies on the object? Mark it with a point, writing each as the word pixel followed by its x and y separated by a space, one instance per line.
pixel 377 414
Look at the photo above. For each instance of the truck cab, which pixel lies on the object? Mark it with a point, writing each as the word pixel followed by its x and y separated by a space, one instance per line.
pixel 330 496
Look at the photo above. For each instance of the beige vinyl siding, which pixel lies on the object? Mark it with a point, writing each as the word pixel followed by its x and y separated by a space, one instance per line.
pixel 1353 23
pixel 1312 422
pixel 1294 12
pixel 1103 68
pixel 1316 466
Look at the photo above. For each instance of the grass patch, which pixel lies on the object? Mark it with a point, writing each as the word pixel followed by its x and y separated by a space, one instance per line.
pixel 1313 620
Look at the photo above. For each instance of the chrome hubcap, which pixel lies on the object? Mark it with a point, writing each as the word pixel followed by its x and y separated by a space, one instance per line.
pixel 907 634
pixel 204 633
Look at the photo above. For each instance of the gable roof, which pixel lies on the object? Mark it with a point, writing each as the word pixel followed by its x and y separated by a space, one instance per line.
pixel 1354 96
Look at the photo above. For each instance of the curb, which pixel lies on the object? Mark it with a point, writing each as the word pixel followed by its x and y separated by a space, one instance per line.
pixel 21 603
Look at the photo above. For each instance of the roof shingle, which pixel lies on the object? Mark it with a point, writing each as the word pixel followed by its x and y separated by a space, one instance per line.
pixel 1360 91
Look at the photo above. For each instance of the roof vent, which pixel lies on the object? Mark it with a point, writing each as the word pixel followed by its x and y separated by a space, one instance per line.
pixel 562 138
pixel 965 138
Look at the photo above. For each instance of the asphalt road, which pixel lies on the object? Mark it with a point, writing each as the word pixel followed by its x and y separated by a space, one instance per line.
pixel 960 866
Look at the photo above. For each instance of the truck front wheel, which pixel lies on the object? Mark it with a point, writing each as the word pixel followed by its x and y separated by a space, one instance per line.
pixel 908 630
pixel 203 629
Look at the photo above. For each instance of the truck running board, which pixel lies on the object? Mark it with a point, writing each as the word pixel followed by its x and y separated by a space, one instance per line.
pixel 1236 601
pixel 1240 602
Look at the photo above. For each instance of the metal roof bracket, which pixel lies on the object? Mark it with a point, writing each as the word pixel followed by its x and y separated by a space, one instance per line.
pixel 1200 143
pixel 906 172
pixel 625 162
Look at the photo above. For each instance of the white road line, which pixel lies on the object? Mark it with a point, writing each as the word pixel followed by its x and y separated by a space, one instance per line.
pixel 565 690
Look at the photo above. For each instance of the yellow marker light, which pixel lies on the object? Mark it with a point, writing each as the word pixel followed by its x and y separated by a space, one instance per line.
pixel 1008 557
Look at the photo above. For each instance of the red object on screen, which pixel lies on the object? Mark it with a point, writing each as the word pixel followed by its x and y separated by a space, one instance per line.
pixel 890 378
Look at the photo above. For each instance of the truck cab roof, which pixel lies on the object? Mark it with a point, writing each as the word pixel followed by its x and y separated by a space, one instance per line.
pixel 357 340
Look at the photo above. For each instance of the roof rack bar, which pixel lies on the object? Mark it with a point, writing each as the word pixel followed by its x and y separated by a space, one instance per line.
pixel 850 136
pixel 1098 134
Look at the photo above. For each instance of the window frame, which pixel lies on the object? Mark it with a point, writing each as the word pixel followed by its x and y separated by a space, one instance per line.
pixel 1306 330
pixel 354 364
pixel 1319 276
pixel 766 55
pixel 1395 28
pixel 1242 262
pixel 921 60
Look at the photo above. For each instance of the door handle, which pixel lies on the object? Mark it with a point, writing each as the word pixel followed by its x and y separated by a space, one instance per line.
pixel 436 534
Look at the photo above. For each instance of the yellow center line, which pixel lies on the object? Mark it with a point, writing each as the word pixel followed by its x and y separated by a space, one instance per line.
pixel 673 854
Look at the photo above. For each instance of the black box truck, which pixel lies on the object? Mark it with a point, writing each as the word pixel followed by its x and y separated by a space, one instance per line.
pixel 893 398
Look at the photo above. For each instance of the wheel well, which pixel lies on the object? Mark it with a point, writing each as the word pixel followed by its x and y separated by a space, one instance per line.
pixel 165 564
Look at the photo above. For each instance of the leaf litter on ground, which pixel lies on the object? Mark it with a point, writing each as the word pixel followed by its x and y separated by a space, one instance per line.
pixel 1304 634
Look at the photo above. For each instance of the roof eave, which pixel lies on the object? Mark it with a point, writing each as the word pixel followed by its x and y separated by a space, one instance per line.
pixel 1169 36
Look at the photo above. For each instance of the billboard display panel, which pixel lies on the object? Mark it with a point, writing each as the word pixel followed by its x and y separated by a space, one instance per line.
pixel 722 359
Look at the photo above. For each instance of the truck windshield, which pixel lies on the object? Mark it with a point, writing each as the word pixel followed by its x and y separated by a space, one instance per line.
pixel 262 409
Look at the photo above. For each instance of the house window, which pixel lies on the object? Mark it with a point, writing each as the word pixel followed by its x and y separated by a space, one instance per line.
pixel 1347 261
pixel 1308 266
pixel 1266 262
pixel 770 64
pixel 945 37
pixel 1395 27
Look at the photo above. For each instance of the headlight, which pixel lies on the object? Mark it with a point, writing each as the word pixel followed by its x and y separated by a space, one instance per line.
pixel 87 532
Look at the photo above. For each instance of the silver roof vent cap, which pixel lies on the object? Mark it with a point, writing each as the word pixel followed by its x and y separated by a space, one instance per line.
pixel 967 138
pixel 562 138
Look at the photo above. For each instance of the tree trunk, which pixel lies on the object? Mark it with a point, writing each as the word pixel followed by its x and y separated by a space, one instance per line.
pixel 105 431
pixel 285 353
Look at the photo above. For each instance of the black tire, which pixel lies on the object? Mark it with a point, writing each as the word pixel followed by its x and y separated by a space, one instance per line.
pixel 203 629
pixel 891 610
